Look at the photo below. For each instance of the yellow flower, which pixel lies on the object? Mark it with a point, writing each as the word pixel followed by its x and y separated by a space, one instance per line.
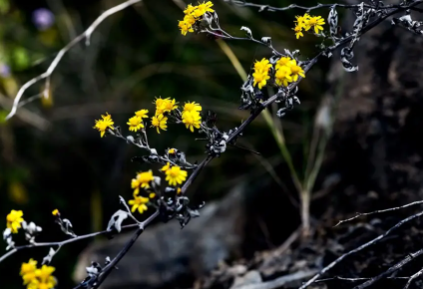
pixel 302 20
pixel 175 176
pixel 296 70
pixel 46 281
pixel 260 78
pixel 298 31
pixel 55 212
pixel 283 61
pixel 166 167
pixel 159 122
pixel 171 151
pixel 28 271
pixel 202 9
pixel 142 113
pixel 315 22
pixel 189 19
pixel 138 203
pixel 169 105
pixel 283 76
pixel 152 195
pixel 190 9
pixel 191 119
pixel 262 65
pixel 192 106
pixel 135 123
pixel 185 27
pixel 103 124
pixel 178 191
pixel 165 105
pixel 142 180
pixel 14 220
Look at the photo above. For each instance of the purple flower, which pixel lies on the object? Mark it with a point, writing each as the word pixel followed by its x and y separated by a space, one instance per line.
pixel 43 18
pixel 4 70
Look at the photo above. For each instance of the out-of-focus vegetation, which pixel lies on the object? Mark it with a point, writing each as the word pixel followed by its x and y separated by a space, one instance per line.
pixel 50 157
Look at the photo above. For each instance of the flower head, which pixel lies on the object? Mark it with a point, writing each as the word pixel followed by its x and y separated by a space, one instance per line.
pixel 191 119
pixel 283 76
pixel 138 203
pixel 261 72
pixel 142 113
pixel 296 70
pixel 171 151
pixel 103 124
pixel 135 123
pixel 315 22
pixel 299 31
pixel 159 122
pixel 175 175
pixel 203 8
pixel 142 180
pixel 45 280
pixel 28 271
pixel 307 22
pixel 14 220
pixel 55 212
pixel 192 106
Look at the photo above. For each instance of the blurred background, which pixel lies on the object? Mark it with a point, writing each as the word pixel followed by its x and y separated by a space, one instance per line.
pixel 51 157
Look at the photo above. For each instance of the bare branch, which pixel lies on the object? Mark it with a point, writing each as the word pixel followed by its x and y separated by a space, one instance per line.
pixel 85 35
pixel 379 212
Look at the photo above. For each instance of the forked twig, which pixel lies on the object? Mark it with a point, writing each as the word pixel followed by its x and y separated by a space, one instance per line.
pixel 85 35
pixel 379 212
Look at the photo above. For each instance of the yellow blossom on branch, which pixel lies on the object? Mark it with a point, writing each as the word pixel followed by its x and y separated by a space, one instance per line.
pixel 45 280
pixel 55 212
pixel 175 176
pixel 103 124
pixel 28 271
pixel 159 122
pixel 135 123
pixel 283 76
pixel 307 22
pixel 192 15
pixel 316 22
pixel 14 220
pixel 142 113
pixel 191 119
pixel 261 72
pixel 142 180
pixel 296 70
pixel 192 106
pixel 138 203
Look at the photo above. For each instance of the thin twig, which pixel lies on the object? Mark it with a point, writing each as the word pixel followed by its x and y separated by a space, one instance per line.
pixel 379 212
pixel 391 270
pixel 85 35
pixel 358 249
pixel 412 278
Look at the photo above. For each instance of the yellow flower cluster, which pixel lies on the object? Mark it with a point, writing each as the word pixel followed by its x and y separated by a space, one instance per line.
pixel 142 180
pixel 261 72
pixel 191 115
pixel 193 14
pixel 14 220
pixel 135 123
pixel 163 106
pixel 174 174
pixel 104 123
pixel 39 278
pixel 286 71
pixel 306 22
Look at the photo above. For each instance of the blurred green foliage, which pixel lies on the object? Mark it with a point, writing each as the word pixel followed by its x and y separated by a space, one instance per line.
pixel 50 157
